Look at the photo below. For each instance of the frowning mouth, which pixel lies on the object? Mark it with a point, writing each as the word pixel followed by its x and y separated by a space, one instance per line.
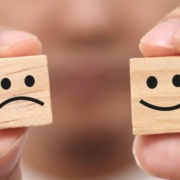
pixel 21 98
pixel 171 108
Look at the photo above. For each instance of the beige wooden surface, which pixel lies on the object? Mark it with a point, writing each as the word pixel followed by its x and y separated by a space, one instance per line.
pixel 22 113
pixel 146 120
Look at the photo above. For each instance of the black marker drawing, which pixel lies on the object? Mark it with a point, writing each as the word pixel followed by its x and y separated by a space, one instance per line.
pixel 159 108
pixel 21 98
pixel 29 81
pixel 152 83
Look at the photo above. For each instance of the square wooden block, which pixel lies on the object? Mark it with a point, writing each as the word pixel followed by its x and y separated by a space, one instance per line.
pixel 24 92
pixel 155 95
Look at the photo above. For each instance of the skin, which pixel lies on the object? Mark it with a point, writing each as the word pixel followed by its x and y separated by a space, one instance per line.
pixel 88 51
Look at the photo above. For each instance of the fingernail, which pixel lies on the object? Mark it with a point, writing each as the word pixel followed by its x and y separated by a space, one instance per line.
pixel 11 148
pixel 10 38
pixel 163 34
pixel 136 140
pixel 134 151
pixel 135 144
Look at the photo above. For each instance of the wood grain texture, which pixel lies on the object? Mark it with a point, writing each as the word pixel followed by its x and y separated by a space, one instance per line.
pixel 144 119
pixel 23 113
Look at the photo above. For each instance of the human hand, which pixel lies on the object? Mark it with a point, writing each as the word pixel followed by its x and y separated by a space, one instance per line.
pixel 159 155
pixel 13 44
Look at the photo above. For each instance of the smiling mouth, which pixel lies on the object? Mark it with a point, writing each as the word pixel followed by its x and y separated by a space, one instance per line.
pixel 21 98
pixel 159 108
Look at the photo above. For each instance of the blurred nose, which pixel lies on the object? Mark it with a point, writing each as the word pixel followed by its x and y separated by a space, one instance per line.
pixel 85 20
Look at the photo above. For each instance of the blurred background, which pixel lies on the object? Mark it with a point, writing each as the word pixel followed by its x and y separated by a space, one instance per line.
pixel 88 44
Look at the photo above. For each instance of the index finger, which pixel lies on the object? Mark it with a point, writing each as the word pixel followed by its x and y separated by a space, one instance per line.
pixel 164 38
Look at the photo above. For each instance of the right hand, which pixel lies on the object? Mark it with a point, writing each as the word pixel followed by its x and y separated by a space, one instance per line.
pixel 159 154
pixel 12 141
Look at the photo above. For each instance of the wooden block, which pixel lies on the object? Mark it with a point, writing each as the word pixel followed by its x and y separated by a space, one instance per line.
pixel 24 92
pixel 155 95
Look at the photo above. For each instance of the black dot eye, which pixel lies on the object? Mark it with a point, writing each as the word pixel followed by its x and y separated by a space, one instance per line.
pixel 5 83
pixel 152 82
pixel 29 81
pixel 176 80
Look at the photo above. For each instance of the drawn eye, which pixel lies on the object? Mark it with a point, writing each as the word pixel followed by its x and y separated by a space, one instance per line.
pixel 151 82
pixel 5 83
pixel 29 81
pixel 176 80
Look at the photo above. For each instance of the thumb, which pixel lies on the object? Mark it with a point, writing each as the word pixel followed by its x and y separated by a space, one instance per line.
pixel 12 142
pixel 164 38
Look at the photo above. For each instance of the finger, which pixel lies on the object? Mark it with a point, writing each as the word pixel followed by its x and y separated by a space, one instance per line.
pixel 159 155
pixel 11 145
pixel 164 38
pixel 15 174
pixel 18 43
pixel 13 44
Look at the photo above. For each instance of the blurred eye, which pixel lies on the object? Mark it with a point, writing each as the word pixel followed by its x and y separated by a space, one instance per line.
pixel 29 81
pixel 151 82
pixel 176 80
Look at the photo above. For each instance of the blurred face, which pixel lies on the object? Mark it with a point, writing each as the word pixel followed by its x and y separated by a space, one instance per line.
pixel 88 43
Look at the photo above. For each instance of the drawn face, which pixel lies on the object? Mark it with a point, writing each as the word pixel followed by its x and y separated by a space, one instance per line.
pixel 24 92
pixel 152 83
pixel 29 82
pixel 155 94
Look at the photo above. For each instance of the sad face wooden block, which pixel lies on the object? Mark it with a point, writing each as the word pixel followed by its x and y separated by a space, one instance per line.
pixel 24 92
pixel 155 95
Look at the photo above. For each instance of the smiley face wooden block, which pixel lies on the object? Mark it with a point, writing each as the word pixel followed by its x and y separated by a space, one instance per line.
pixel 24 92
pixel 155 95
